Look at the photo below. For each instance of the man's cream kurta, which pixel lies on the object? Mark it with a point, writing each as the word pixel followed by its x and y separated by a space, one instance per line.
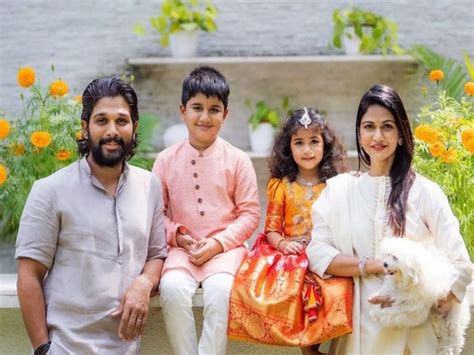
pixel 93 245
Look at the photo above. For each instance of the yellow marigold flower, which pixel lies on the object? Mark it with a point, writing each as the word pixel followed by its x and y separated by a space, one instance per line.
pixel 449 156
pixel 437 148
pixel 58 88
pixel 79 136
pixel 467 139
pixel 40 139
pixel 78 99
pixel 426 134
pixel 469 88
pixel 63 155
pixel 17 149
pixel 4 128
pixel 436 75
pixel 3 174
pixel 26 77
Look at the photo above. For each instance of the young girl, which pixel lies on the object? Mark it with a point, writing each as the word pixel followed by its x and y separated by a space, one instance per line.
pixel 274 299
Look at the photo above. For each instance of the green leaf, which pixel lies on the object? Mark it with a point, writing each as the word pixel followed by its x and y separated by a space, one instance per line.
pixel 139 29
pixel 165 40
pixel 469 66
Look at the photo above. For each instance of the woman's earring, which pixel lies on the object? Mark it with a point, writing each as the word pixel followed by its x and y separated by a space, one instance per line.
pixel 400 141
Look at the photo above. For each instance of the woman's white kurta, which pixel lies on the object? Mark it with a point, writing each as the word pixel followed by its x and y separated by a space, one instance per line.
pixel 350 217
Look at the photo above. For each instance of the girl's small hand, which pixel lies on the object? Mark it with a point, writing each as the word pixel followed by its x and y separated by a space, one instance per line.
pixel 291 247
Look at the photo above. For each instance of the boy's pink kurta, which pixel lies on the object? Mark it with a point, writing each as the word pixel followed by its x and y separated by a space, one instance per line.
pixel 214 195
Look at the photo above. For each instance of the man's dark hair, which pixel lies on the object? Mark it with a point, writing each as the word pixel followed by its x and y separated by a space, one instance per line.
pixel 108 87
pixel 208 81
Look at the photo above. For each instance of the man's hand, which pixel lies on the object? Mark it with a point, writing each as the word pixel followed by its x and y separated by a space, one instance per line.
pixel 383 301
pixel 185 241
pixel 133 309
pixel 206 249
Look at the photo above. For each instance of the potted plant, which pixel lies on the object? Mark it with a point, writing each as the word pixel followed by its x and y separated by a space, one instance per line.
pixel 179 23
pixel 262 123
pixel 360 31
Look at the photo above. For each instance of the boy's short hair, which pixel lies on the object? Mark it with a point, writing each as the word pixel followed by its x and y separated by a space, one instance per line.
pixel 208 81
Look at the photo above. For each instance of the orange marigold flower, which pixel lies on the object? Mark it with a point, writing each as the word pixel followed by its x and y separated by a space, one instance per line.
pixel 78 99
pixel 63 155
pixel 79 136
pixel 4 128
pixel 449 156
pixel 3 174
pixel 26 77
pixel 437 148
pixel 469 88
pixel 17 149
pixel 58 88
pixel 436 75
pixel 426 134
pixel 40 139
pixel 467 139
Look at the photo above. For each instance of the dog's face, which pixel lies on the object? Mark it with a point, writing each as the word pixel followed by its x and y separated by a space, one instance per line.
pixel 401 264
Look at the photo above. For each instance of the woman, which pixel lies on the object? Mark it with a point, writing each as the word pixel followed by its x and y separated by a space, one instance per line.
pixel 354 214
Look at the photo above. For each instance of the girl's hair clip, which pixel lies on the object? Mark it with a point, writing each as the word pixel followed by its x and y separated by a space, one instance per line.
pixel 305 120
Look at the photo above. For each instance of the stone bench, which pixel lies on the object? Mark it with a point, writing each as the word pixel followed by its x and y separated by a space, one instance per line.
pixel 13 338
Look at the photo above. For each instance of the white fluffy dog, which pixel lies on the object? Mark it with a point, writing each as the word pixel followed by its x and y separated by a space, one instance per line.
pixel 417 276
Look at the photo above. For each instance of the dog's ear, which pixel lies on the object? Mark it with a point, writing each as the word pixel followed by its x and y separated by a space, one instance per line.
pixel 410 270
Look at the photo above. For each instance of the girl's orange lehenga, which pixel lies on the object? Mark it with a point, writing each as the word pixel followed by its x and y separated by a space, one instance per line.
pixel 275 299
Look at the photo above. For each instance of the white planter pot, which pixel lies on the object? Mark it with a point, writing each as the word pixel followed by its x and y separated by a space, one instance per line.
pixel 174 134
pixel 184 44
pixel 261 138
pixel 351 45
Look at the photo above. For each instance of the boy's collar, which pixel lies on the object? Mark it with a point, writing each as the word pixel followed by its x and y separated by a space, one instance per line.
pixel 208 151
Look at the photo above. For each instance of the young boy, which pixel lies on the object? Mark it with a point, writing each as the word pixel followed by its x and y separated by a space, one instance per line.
pixel 211 208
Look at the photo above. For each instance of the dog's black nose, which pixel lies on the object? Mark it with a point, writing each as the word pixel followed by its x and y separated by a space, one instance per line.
pixel 385 265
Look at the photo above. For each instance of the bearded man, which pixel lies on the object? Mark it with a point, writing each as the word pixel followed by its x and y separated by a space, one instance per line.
pixel 91 242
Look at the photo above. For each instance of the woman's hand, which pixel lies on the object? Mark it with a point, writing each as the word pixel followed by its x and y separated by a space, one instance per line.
pixel 383 301
pixel 291 247
pixel 445 305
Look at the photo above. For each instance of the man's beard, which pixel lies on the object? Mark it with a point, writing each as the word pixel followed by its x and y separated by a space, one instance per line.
pixel 109 159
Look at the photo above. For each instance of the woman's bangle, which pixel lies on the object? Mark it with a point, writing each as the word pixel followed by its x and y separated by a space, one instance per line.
pixel 363 266
pixel 279 243
pixel 42 349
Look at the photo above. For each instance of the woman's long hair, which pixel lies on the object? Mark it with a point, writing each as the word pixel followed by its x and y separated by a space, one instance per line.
pixel 401 174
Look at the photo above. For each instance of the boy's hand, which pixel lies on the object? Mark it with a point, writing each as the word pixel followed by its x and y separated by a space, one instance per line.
pixel 186 241
pixel 206 249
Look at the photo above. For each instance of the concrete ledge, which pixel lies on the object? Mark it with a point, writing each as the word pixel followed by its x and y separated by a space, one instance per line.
pixel 9 297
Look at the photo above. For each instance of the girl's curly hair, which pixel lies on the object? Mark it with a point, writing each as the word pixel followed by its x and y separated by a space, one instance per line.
pixel 281 162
